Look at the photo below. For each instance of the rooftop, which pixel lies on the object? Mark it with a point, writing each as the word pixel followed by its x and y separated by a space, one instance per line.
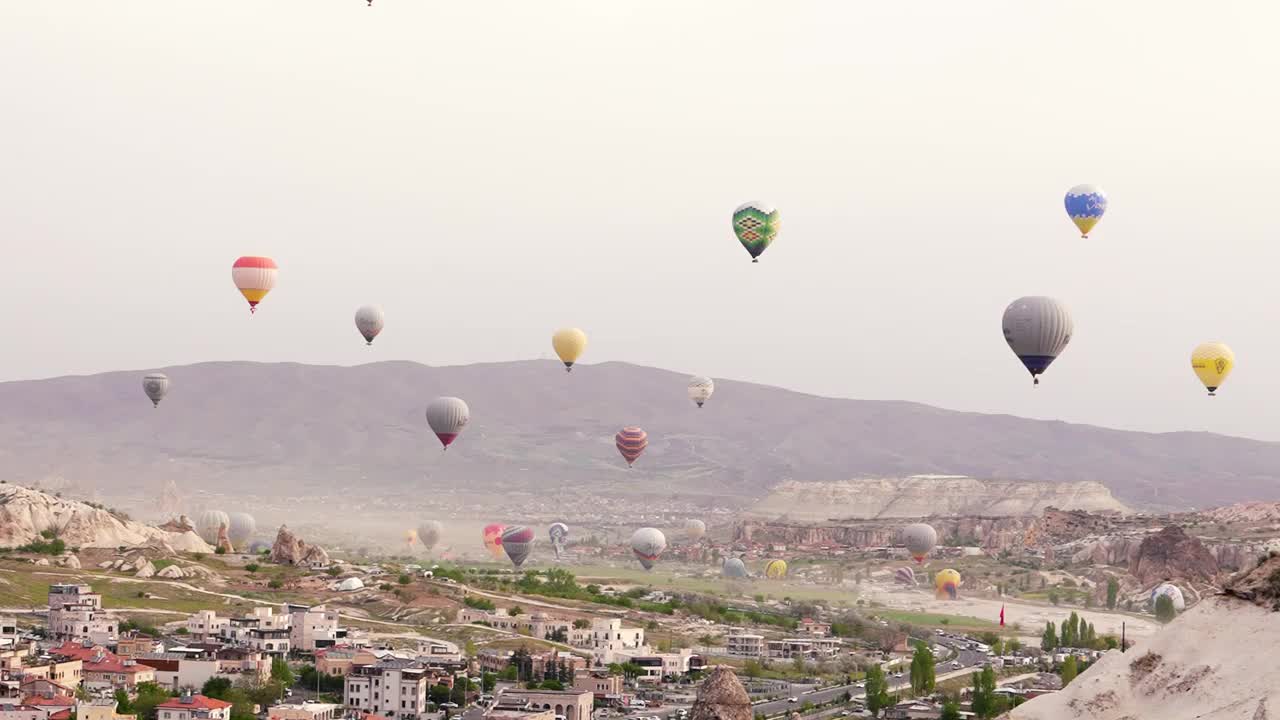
pixel 199 702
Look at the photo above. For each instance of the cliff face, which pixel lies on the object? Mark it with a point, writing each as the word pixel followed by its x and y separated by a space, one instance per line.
pixel 928 495
pixel 1171 553
pixel 25 513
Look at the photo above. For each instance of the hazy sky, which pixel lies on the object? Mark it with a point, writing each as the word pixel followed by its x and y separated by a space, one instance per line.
pixel 489 171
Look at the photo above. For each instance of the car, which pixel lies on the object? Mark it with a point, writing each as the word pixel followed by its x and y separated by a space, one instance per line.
pixel 449 705
pixel 860 684
pixel 792 700
pixel 844 713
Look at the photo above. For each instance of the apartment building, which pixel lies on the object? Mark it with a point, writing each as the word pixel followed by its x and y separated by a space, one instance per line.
pixel 193 707
pixel 314 628
pixel 393 688
pixel 812 647
pixel 75 613
pixel 744 644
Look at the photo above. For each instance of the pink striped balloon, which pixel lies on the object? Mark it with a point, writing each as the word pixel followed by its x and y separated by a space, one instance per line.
pixel 631 441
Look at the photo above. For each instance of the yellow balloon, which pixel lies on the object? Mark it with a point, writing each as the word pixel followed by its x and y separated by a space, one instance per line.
pixel 569 344
pixel 946 584
pixel 1212 362
pixel 776 569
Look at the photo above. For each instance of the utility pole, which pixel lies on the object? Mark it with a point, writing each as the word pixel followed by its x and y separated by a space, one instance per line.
pixel 1122 643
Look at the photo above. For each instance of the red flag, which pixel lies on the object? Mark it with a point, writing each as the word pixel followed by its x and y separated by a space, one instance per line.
pixel 1002 616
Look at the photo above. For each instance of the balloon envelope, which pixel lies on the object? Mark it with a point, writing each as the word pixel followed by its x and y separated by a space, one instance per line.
pixel 920 540
pixel 775 569
pixel 559 533
pixel 734 568
pixel 517 542
pixel 631 441
pixel 700 389
pixel 694 529
pixel 1212 363
pixel 156 386
pixel 1086 204
pixel 492 535
pixel 946 584
pixel 209 522
pixel 429 533
pixel 904 576
pixel 647 545
pixel 1037 329
pixel 254 277
pixel 447 416
pixel 241 528
pixel 756 225
pixel 1174 594
pixel 369 321
pixel 569 344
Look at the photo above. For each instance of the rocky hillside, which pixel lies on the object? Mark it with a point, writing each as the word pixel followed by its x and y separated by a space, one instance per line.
pixel 1205 664
pixel 25 514
pixel 291 430
pixel 928 495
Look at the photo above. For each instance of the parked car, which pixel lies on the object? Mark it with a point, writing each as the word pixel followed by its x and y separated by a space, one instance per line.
pixel 791 699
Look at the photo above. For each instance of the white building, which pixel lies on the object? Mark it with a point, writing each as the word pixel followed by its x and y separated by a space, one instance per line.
pixel 391 688
pixel 607 634
pixel 314 628
pixel 206 625
pixel 811 647
pixel 193 707
pixel 744 644
pixel 75 613
pixel 303 711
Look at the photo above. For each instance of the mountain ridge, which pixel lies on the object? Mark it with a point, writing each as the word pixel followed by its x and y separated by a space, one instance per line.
pixel 294 427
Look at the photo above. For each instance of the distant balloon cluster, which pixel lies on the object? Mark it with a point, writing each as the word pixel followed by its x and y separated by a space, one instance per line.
pixel 1036 328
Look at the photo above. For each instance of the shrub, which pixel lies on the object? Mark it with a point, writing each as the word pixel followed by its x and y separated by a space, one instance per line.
pixel 275 584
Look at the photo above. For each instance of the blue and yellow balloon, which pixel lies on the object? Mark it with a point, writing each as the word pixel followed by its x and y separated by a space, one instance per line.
pixel 1086 204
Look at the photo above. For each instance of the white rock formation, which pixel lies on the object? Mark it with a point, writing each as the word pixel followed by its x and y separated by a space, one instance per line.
pixel 146 571
pixel 172 572
pixel 24 513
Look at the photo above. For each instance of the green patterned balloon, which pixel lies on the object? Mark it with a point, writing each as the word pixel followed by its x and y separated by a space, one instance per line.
pixel 756 225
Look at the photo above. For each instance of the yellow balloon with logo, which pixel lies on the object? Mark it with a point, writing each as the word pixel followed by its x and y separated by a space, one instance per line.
pixel 1212 362
pixel 775 569
pixel 569 344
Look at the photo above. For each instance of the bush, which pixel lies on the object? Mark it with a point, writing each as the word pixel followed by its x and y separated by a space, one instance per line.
pixel 404 579
pixel 219 550
pixel 252 567
pixel 333 572
pixel 479 603
pixel 384 587
pixel 275 583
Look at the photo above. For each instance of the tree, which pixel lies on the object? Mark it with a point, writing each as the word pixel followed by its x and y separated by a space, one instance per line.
pixel 488 681
pixel 1164 609
pixel 404 579
pixel 798 662
pixel 1012 645
pixel 123 706
pixel 752 669
pixel 149 695
pixel 877 690
pixel 509 674
pixel 1053 597
pixel 281 672
pixel 983 700
pixel 438 694
pixel 217 688
pixel 581 624
pixel 515 610
pixel 1049 640
pixel 922 670
pixel 950 711
pixel 552 685
pixel 1068 670
pixel 252 567
pixel 1113 591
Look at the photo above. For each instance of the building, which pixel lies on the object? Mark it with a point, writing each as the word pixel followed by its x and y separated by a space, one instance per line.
pixel 14 711
pixel 133 644
pixel 59 669
pixel 193 707
pixel 811 647
pixel 572 704
pixel 206 625
pixel 314 628
pixel 303 711
pixel 658 665
pixel 744 644
pixel 607 634
pixel 537 625
pixel 75 613
pixel 40 686
pixel 601 685
pixel 99 710
pixel 51 705
pixel 811 627
pixel 394 688
pixel 110 673
pixel 510 713
pixel 339 660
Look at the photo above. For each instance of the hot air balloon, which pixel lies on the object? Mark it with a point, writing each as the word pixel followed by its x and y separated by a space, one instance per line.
pixel 700 389
pixel 904 576
pixel 254 278
pixel 946 584
pixel 493 539
pixel 756 225
pixel 429 533
pixel 156 386
pixel 1212 363
pixel 410 538
pixel 240 528
pixel 1037 329
pixel 647 545
pixel 569 344
pixel 559 533
pixel 775 569
pixel 369 321
pixel 1175 596
pixel 208 524
pixel 694 529
pixel 631 441
pixel 733 568
pixel 1085 206
pixel 517 542
pixel 920 540
pixel 447 416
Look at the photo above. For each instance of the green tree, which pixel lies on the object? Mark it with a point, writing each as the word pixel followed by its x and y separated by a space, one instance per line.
pixel 1049 640
pixel 1053 597
pixel 1012 645
pixel 799 664
pixel 1068 670
pixel 950 711
pixel 508 674
pixel 983 700
pixel 438 694
pixel 922 670
pixel 1164 609
pixel 1113 592
pixel 488 681
pixel 515 610
pixel 217 688
pixel 281 672
pixel 404 579
pixel 877 690
pixel 123 706
pixel 252 567
pixel 752 669
pixel 552 685
pixel 149 695
pixel 581 624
